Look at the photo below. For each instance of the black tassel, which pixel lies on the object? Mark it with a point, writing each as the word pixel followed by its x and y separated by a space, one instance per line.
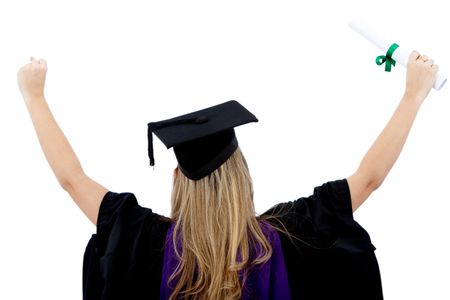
pixel 158 125
pixel 150 145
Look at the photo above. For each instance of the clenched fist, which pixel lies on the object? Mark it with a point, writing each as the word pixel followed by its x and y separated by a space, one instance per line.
pixel 420 76
pixel 31 79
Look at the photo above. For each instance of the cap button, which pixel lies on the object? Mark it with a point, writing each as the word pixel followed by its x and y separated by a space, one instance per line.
pixel 201 120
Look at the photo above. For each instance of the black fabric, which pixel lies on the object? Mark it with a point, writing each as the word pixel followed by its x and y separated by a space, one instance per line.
pixel 200 157
pixel 124 259
pixel 201 123
pixel 330 256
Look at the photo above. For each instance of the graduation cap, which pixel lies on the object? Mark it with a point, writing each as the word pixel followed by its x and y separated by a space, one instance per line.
pixel 202 140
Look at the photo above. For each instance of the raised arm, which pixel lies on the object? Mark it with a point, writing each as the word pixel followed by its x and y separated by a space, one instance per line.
pixel 376 164
pixel 86 193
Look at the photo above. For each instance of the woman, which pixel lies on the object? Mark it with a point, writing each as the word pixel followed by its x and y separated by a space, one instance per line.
pixel 213 246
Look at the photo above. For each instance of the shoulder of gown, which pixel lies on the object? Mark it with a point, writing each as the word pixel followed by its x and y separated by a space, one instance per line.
pixel 126 253
pixel 328 254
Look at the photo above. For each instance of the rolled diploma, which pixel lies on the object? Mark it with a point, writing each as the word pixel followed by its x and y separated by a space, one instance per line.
pixel 400 55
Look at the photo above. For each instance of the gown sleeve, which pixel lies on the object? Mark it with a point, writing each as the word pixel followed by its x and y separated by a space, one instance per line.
pixel 124 258
pixel 328 254
pixel 322 219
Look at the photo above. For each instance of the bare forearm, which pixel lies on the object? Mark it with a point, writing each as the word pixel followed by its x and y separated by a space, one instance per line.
pixel 57 150
pixel 387 147
pixel 376 164
pixel 86 192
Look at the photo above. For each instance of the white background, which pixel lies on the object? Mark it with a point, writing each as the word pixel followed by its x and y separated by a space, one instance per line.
pixel 312 82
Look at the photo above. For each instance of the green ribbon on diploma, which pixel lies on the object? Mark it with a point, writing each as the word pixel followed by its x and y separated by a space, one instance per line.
pixel 387 58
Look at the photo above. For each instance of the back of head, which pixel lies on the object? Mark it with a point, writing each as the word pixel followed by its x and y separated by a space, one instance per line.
pixel 216 227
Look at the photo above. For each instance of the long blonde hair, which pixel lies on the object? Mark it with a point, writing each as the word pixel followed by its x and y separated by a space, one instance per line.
pixel 216 227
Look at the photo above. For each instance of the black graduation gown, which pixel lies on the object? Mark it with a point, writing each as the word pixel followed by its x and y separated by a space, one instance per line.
pixel 328 256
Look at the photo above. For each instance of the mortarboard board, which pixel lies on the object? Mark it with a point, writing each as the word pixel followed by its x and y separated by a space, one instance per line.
pixel 202 140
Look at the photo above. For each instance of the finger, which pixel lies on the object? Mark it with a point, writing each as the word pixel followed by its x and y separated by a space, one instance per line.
pixel 430 62
pixel 33 62
pixel 424 58
pixel 414 56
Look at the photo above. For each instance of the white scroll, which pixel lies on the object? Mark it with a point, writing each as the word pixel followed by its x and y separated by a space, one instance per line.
pixel 383 42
